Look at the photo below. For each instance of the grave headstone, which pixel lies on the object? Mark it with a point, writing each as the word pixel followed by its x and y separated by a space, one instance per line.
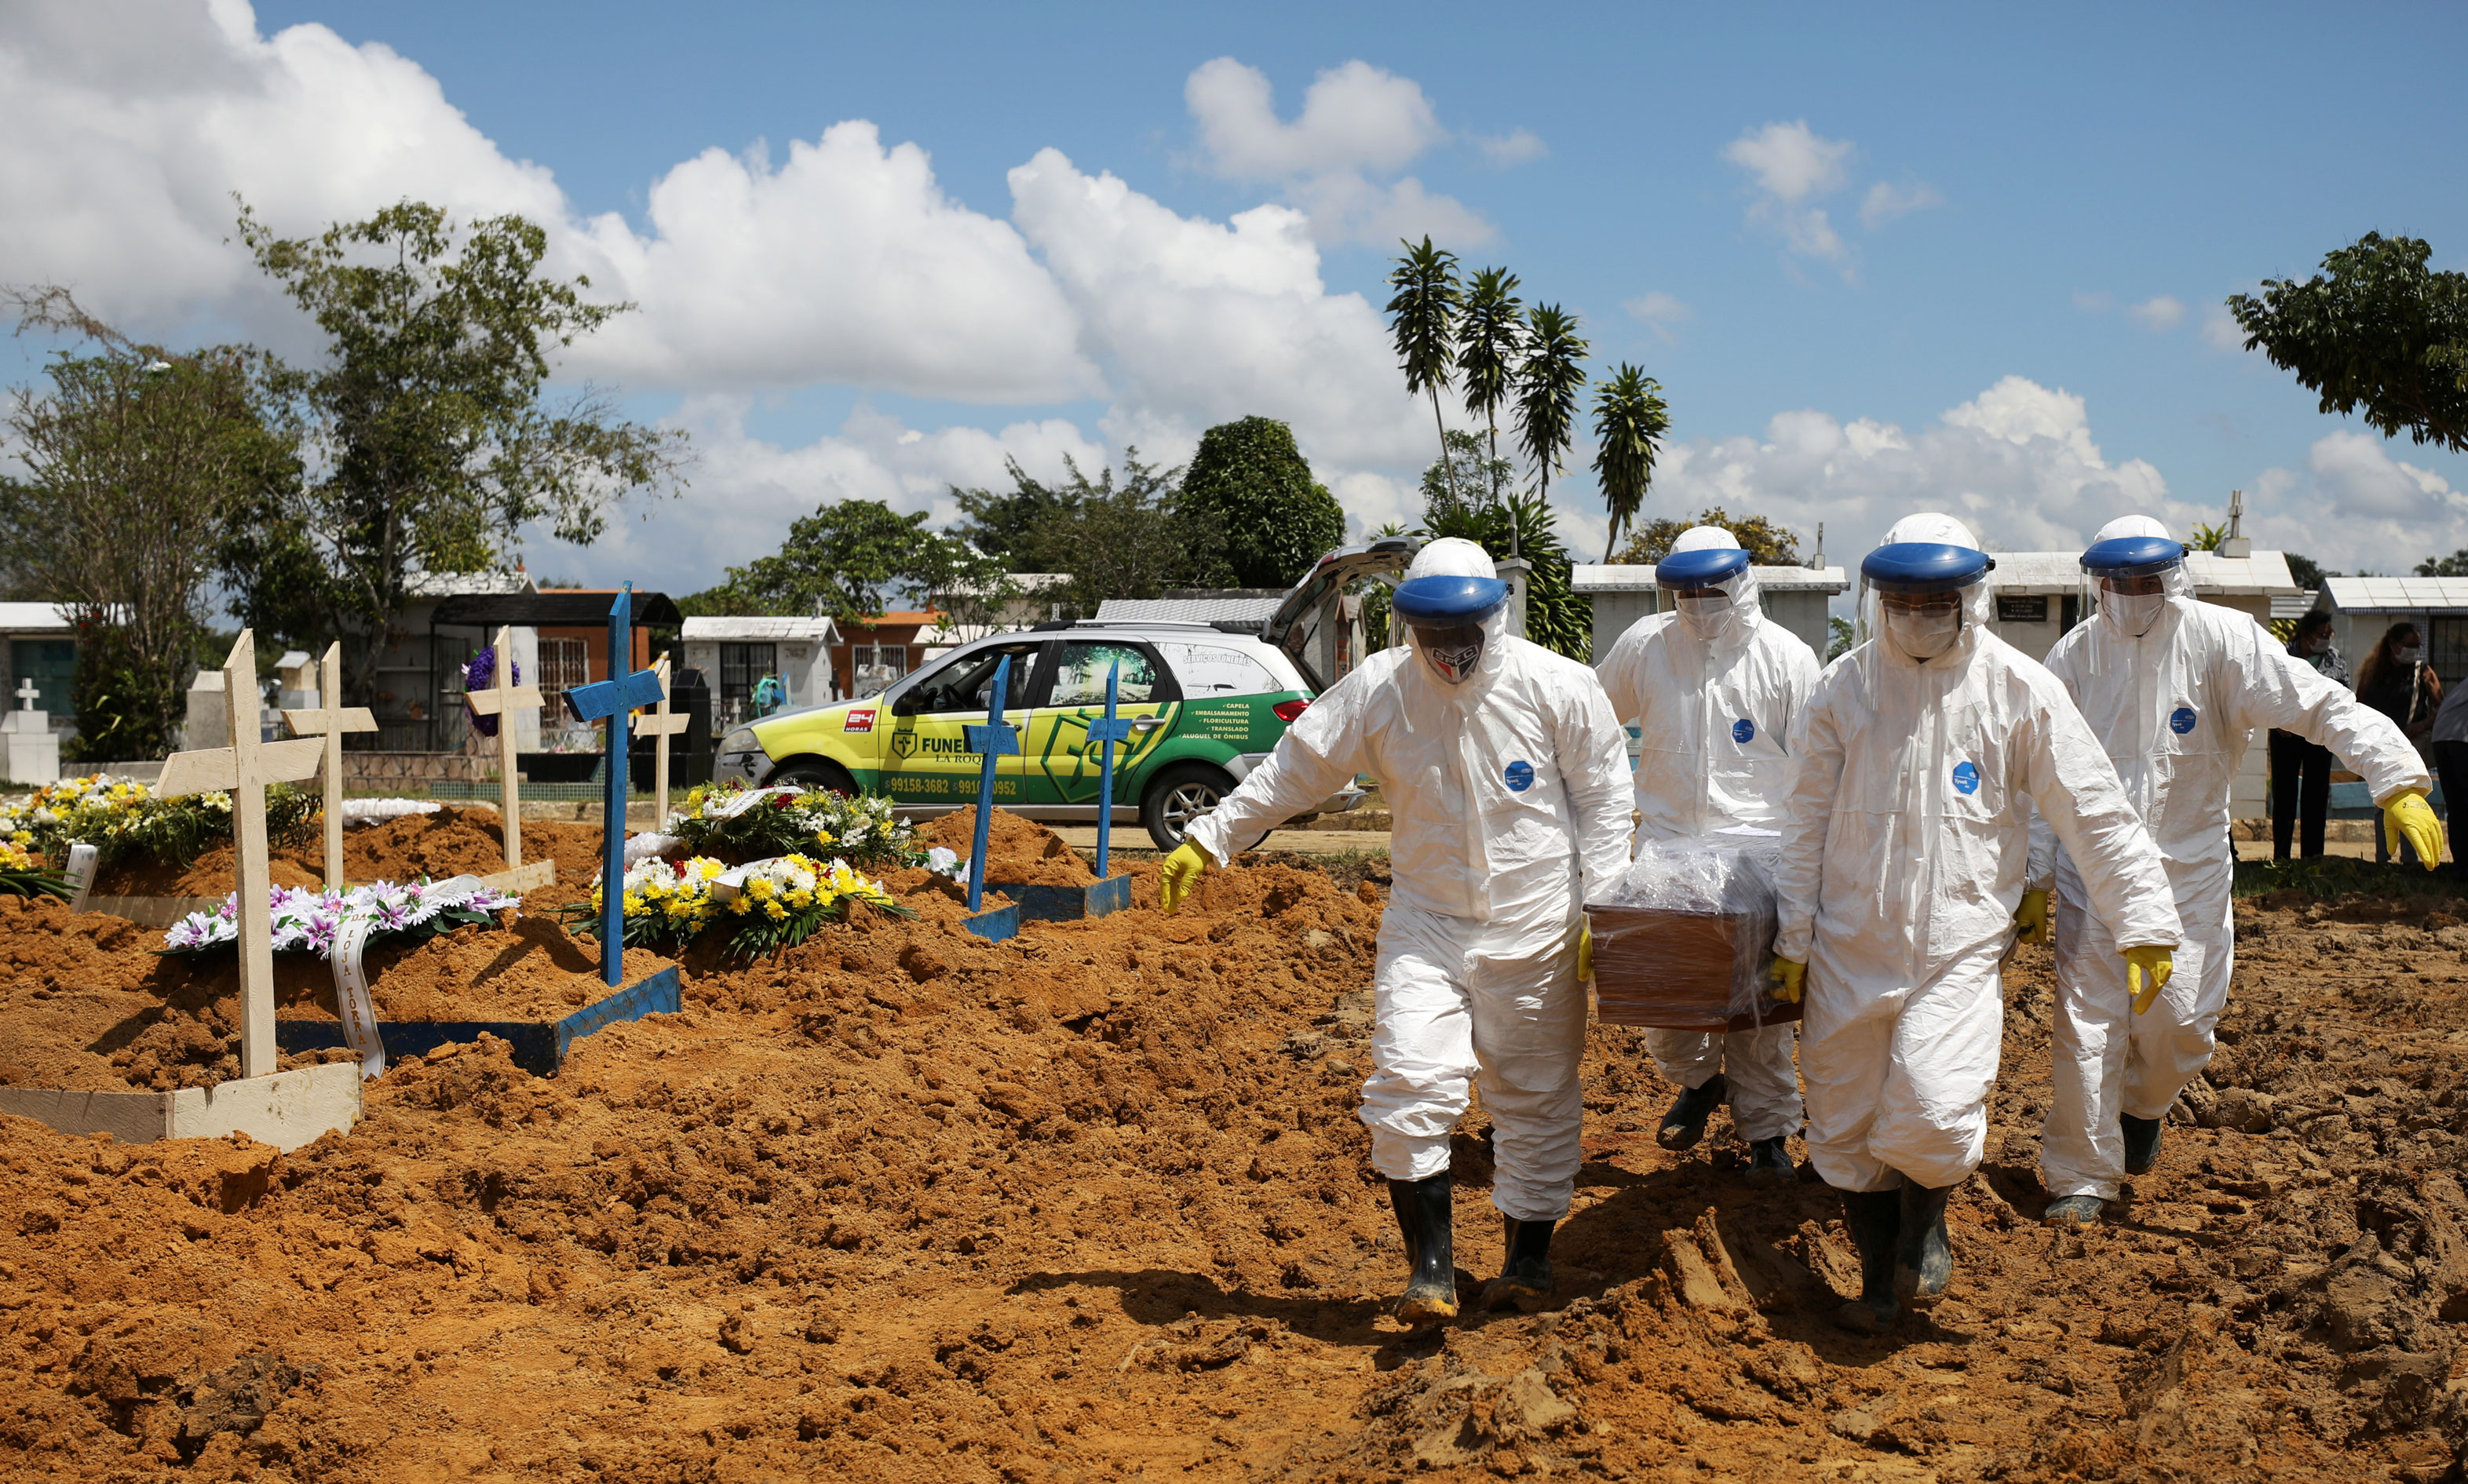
pixel 208 723
pixel 242 769
pixel 296 686
pixel 34 749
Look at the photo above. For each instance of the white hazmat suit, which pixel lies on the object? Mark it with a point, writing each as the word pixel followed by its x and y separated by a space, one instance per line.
pixel 1713 712
pixel 2173 708
pixel 1509 797
pixel 1906 843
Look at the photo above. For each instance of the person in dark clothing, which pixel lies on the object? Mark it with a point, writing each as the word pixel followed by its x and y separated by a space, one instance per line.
pixel 2449 747
pixel 2300 772
pixel 2395 680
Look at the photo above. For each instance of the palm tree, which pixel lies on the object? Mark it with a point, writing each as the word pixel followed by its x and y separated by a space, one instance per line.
pixel 1490 335
pixel 1423 317
pixel 1630 420
pixel 1547 382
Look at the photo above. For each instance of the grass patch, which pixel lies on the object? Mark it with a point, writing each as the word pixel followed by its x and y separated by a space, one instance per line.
pixel 2341 876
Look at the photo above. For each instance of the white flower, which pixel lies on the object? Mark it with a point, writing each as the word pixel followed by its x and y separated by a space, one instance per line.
pixel 945 862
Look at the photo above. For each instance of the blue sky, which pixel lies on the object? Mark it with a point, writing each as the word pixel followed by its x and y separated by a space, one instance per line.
pixel 2007 309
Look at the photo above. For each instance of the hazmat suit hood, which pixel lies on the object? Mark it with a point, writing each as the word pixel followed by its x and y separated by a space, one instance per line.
pixel 1931 528
pixel 1722 613
pixel 2131 615
pixel 1452 557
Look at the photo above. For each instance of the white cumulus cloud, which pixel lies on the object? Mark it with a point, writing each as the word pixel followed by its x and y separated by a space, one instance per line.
pixel 1884 202
pixel 2160 312
pixel 2018 463
pixel 1358 124
pixel 2356 508
pixel 1659 310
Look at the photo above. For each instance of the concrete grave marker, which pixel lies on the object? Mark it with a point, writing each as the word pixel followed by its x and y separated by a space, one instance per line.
pixel 243 769
pixel 32 753
pixel 502 700
pixel 330 722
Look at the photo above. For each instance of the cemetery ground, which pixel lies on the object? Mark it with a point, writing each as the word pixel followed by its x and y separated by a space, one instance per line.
pixel 1092 1203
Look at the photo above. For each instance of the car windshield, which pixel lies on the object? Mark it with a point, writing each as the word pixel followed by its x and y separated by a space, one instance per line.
pixel 1080 681
pixel 967 682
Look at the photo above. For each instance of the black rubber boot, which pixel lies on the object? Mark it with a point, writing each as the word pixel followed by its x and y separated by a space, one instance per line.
pixel 2073 1211
pixel 1524 1281
pixel 1685 1123
pixel 2142 1142
pixel 1874 1219
pixel 1769 1163
pixel 1923 1254
pixel 1425 1216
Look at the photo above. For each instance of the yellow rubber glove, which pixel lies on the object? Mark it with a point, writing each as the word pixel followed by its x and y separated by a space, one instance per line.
pixel 1585 953
pixel 1787 977
pixel 1181 874
pixel 2032 917
pixel 2146 974
pixel 2407 816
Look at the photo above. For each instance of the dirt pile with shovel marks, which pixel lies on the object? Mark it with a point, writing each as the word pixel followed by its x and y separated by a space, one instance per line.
pixel 1092 1203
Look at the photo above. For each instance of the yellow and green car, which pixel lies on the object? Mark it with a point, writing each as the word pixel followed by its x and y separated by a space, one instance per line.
pixel 1207 706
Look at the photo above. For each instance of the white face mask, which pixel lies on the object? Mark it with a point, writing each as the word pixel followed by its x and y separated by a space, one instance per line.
pixel 1924 633
pixel 2408 656
pixel 1705 614
pixel 2133 613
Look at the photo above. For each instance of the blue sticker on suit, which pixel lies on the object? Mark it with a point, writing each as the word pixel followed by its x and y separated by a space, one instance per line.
pixel 2181 720
pixel 1966 778
pixel 1520 775
pixel 1744 730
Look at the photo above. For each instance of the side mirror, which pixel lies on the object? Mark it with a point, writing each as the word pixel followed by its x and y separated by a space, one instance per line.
pixel 904 706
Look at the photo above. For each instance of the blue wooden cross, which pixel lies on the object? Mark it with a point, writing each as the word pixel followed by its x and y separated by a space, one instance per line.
pixel 1109 731
pixel 993 740
pixel 615 699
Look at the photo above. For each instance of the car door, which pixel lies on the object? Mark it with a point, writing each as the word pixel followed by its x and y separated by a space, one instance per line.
pixel 1062 766
pixel 926 756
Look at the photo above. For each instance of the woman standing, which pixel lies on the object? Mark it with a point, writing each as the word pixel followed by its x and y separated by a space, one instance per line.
pixel 2395 680
pixel 2300 773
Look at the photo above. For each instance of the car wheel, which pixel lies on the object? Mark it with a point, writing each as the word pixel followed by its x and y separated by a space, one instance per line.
pixel 1180 795
pixel 815 774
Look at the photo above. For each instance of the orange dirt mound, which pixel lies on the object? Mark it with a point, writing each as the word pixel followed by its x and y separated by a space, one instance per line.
pixel 1019 851
pixel 450 842
pixel 902 1205
pixel 93 1007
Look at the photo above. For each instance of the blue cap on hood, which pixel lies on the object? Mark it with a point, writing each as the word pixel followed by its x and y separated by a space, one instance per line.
pixel 1448 599
pixel 1924 567
pixel 2132 555
pixel 1700 568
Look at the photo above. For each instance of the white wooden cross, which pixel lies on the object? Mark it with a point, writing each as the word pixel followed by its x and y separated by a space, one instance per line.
pixel 27 692
pixel 662 724
pixel 502 700
pixel 243 769
pixel 332 721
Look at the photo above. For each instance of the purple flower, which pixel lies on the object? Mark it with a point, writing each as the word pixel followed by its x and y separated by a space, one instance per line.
pixel 481 674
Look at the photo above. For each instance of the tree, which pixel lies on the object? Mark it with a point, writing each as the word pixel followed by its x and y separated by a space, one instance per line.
pixel 1131 540
pixel 1423 318
pixel 1509 522
pixel 429 445
pixel 1630 420
pixel 2303 571
pixel 1491 341
pixel 1768 544
pixel 1249 485
pixel 848 560
pixel 2454 565
pixel 2205 537
pixel 1547 382
pixel 2375 330
pixel 134 457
